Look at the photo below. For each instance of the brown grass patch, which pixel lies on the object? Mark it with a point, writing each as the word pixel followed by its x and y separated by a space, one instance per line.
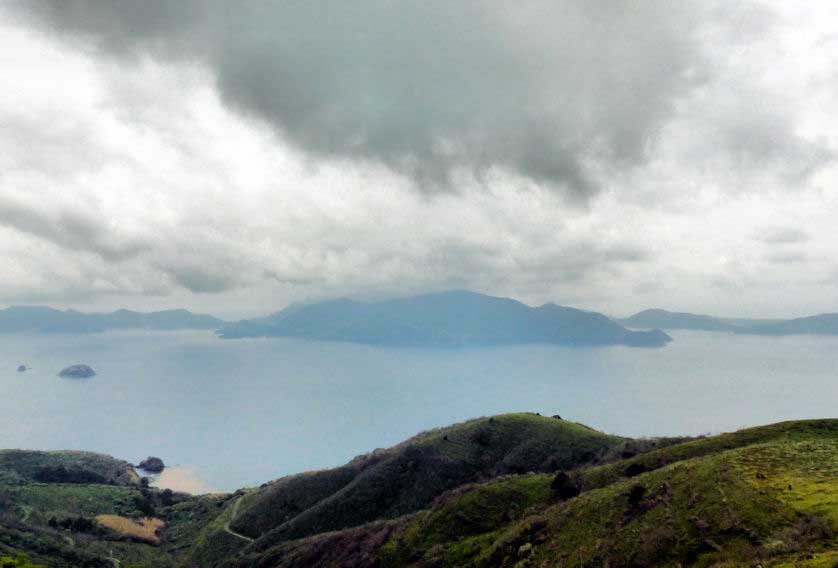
pixel 144 529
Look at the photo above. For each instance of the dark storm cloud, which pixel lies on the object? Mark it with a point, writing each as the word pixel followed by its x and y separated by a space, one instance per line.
pixel 197 278
pixel 70 229
pixel 552 91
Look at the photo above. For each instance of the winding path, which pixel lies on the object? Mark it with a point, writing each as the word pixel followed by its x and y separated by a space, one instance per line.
pixel 27 511
pixel 113 559
pixel 233 514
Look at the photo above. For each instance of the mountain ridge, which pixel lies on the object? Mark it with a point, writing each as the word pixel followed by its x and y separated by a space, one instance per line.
pixel 43 319
pixel 446 319
pixel 820 324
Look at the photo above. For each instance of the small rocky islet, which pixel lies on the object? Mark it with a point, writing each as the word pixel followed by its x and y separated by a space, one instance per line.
pixel 77 372
pixel 152 465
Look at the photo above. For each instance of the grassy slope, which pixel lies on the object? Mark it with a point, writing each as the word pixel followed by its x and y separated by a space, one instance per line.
pixel 28 506
pixel 720 501
pixel 408 477
pixel 25 465
pixel 698 496
pixel 764 496
pixel 214 542
pixel 24 525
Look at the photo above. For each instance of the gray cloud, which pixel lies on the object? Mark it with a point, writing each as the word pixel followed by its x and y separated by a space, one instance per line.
pixel 230 154
pixel 198 278
pixel 787 257
pixel 782 236
pixel 555 92
pixel 72 229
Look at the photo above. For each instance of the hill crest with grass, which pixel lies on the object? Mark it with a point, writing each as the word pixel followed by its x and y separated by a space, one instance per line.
pixel 517 490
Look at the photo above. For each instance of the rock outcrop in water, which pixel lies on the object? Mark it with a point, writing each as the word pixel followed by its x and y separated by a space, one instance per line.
pixel 152 465
pixel 77 372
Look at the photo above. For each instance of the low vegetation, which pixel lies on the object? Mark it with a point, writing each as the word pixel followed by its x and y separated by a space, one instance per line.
pixel 19 561
pixel 393 482
pixel 21 466
pixel 144 529
pixel 763 496
pixel 517 490
pixel 89 514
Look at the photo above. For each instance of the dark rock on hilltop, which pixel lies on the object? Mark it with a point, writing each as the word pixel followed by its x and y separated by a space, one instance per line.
pixel 152 465
pixel 77 372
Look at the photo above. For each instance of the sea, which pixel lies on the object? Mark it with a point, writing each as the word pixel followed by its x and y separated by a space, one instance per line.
pixel 226 414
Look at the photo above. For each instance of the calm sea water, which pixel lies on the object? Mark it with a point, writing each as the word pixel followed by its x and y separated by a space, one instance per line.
pixel 238 413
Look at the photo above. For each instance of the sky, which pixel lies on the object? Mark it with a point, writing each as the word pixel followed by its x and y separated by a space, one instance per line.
pixel 232 157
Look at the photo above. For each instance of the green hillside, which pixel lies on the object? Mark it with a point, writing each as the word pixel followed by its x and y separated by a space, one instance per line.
pixel 52 508
pixel 516 490
pixel 389 483
pixel 766 496
pixel 20 466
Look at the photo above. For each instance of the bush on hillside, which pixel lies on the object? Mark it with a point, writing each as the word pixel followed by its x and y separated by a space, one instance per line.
pixel 20 561
pixel 61 474
pixel 565 486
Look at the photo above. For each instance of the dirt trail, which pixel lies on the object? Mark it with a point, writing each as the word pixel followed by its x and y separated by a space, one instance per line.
pixel 233 518
pixel 113 559
pixel 27 511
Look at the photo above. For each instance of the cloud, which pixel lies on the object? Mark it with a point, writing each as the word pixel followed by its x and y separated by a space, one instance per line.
pixel 76 230
pixel 787 257
pixel 160 196
pixel 554 92
pixel 154 155
pixel 782 236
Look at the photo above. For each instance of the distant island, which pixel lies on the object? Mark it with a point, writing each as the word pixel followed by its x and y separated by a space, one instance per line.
pixel 823 324
pixel 663 319
pixel 77 372
pixel 447 319
pixel 42 319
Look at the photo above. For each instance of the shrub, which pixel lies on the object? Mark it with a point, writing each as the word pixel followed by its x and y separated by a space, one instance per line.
pixel 634 469
pixel 635 495
pixel 564 486
pixel 61 474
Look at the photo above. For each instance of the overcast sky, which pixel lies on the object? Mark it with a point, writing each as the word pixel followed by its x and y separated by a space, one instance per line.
pixel 232 157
